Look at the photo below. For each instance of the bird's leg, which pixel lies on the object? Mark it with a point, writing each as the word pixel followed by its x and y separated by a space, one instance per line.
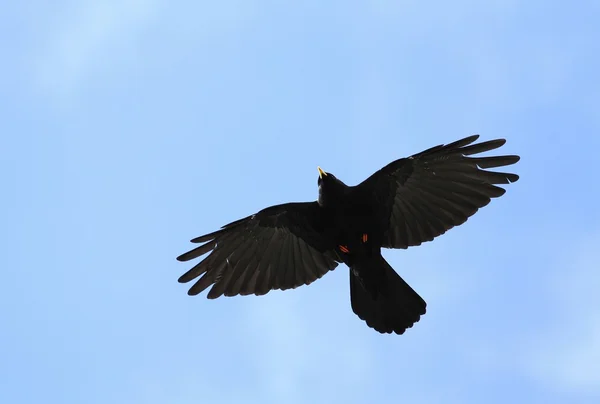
pixel 344 248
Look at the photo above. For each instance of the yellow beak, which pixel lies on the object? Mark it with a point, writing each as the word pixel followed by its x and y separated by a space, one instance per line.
pixel 321 172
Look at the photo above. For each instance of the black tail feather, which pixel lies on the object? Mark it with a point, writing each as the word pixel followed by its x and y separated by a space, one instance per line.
pixel 386 302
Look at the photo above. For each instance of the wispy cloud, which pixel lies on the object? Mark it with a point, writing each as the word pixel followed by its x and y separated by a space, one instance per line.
pixel 567 356
pixel 288 346
pixel 85 37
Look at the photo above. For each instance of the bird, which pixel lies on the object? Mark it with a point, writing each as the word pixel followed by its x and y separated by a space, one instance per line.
pixel 410 201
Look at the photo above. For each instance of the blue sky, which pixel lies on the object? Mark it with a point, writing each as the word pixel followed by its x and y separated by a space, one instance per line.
pixel 123 122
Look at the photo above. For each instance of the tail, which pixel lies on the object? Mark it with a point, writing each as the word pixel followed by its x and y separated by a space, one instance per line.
pixel 380 297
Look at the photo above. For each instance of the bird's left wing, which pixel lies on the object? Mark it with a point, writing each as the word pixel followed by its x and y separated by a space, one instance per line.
pixel 422 196
pixel 280 247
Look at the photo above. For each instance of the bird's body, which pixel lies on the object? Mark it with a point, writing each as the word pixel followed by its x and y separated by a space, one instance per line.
pixel 410 201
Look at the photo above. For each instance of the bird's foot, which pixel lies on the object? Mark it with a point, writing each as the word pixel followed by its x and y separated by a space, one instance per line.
pixel 344 249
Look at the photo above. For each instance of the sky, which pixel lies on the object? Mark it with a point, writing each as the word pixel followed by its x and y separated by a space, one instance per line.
pixel 131 126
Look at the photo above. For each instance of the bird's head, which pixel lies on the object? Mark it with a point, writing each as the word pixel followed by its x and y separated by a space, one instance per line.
pixel 330 188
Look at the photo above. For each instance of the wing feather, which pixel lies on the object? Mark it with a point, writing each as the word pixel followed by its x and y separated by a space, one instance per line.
pixel 280 247
pixel 425 195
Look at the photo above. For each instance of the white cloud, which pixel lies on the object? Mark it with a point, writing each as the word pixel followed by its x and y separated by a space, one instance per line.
pixel 290 338
pixel 92 36
pixel 567 356
pixel 84 38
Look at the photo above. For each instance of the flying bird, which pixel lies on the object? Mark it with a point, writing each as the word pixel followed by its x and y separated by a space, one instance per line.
pixel 410 201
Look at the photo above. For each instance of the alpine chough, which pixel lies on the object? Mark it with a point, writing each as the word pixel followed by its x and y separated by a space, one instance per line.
pixel 407 202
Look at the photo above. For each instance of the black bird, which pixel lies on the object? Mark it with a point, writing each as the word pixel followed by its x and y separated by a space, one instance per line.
pixel 408 202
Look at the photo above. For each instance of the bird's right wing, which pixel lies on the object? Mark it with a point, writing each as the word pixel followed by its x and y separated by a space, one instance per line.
pixel 423 196
pixel 280 247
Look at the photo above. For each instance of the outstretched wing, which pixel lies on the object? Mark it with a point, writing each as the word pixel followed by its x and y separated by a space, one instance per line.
pixel 280 247
pixel 423 196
